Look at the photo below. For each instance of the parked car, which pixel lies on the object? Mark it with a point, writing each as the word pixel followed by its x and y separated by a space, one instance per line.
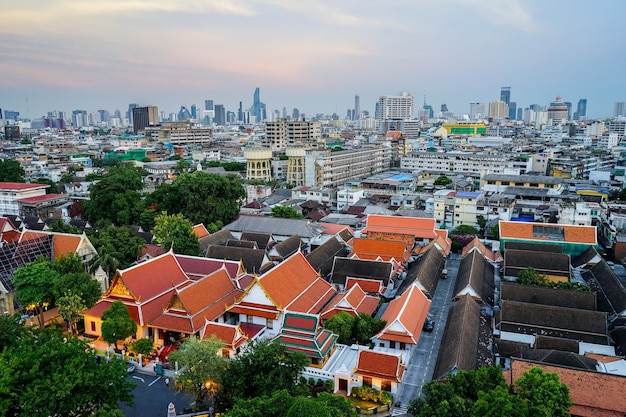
pixel 429 325
pixel 444 273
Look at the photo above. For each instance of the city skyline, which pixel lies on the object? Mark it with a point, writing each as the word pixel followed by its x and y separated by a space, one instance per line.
pixel 315 57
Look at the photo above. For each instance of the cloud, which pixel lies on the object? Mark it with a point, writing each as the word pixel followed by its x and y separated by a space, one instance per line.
pixel 507 13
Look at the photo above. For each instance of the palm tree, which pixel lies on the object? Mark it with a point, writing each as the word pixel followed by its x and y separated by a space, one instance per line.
pixel 107 259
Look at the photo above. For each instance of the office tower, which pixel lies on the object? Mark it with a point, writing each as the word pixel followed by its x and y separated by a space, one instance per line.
pixel 536 107
pixel 618 110
pixel 220 115
pixel 11 115
pixel 194 112
pixel 581 109
pixel 428 110
pixel 395 107
pixel 79 118
pixel 569 109
pixel 519 114
pixel 505 95
pixel 144 117
pixel 498 109
pixel 240 112
pixel 357 107
pixel 477 111
pixel 512 110
pixel 231 117
pixel 258 107
pixel 129 114
pixel 183 114
pixel 104 115
pixel 295 114
pixel 557 112
pixel 208 104
pixel 117 114
pixel 444 108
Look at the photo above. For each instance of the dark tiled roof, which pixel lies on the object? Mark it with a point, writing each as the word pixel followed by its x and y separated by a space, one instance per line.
pixel 548 296
pixel 426 270
pixel 287 247
pixel 263 240
pixel 585 257
pixel 534 247
pixel 236 243
pixel 569 323
pixel 609 291
pixel 215 239
pixel 275 226
pixel 322 257
pixel 557 343
pixel 463 347
pixel 358 268
pixel 254 260
pixel 544 262
pixel 556 357
pixel 476 275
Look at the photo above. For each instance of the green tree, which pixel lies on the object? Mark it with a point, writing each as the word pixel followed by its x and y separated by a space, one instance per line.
pixel 69 263
pixel 53 189
pixel 464 230
pixel 365 327
pixel 143 346
pixel 60 226
pixel 117 196
pixel 11 171
pixel 443 180
pixel 529 276
pixel 118 247
pixel 182 166
pixel 200 197
pixel 285 212
pixel 33 286
pixel 303 406
pixel 341 324
pixel 47 373
pixel 11 330
pixel 495 231
pixel 622 194
pixel 482 223
pixel 176 231
pixel 71 308
pixel 202 368
pixel 117 324
pixel 67 177
pixel 264 367
pixel 79 284
pixel 544 393
pixel 499 403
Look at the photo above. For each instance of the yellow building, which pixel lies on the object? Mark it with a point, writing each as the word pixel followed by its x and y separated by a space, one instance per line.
pixel 469 129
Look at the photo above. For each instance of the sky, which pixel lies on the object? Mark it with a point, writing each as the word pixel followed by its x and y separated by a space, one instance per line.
pixel 314 55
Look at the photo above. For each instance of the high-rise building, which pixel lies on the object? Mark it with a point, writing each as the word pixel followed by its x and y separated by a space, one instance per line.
pixel 220 114
pixel 11 115
pixel 240 112
pixel 144 117
pixel 79 118
pixel 557 112
pixel 581 109
pixel 444 108
pixel 208 105
pixel 357 107
pixel 183 114
pixel 283 133
pixel 520 114
pixel 295 114
pixel 498 109
pixel 129 114
pixel 194 112
pixel 505 95
pixel 618 110
pixel 512 110
pixel 258 107
pixel 569 109
pixel 395 107
pixel 477 111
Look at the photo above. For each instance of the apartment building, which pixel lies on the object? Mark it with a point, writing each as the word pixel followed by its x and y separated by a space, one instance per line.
pixel 456 162
pixel 324 168
pixel 282 133
pixel 452 208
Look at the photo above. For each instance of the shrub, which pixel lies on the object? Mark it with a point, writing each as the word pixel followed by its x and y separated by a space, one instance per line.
pixel 329 385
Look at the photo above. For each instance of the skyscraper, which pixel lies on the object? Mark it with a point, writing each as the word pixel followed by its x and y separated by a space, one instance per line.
pixel 395 107
pixel 512 110
pixel 357 107
pixel 258 108
pixel 505 95
pixel 240 113
pixel 477 111
pixel 208 105
pixel 498 109
pixel 144 117
pixel 569 110
pixel 581 109
pixel 220 114
pixel 619 109
pixel 194 111
pixel 557 112
pixel 129 114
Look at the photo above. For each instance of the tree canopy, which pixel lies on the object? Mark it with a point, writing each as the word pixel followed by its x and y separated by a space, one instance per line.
pixel 116 196
pixel 442 180
pixel 263 368
pixel 11 171
pixel 34 284
pixel 485 393
pixel 200 197
pixel 117 324
pixel 285 212
pixel 118 247
pixel 352 329
pixel 175 231
pixel 47 373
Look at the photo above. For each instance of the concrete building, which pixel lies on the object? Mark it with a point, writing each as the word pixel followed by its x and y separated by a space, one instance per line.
pixel 498 109
pixel 456 162
pixel 258 163
pixel 144 117
pixel 324 168
pixel 295 165
pixel 557 112
pixel 395 107
pixel 282 133
pixel 11 192
pixel 182 133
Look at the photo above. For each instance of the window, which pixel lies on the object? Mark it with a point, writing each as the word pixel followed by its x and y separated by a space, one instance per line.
pixel 367 381
pixel 269 324
pixel 93 326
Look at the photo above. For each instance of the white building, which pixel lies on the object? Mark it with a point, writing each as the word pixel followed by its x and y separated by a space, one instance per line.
pixel 395 107
pixel 10 192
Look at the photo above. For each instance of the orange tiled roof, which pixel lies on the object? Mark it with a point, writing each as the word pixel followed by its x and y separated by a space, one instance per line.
pixel 379 365
pixel 333 229
pixel 372 286
pixel 295 285
pixel 230 334
pixel 200 230
pixel 524 230
pixel 63 243
pixel 476 244
pixel 405 316
pixel 383 249
pixel 420 227
pixel 594 394
pixel 354 301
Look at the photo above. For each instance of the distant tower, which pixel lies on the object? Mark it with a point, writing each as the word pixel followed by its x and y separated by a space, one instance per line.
pixel 357 107
pixel 512 110
pixel 557 112
pixel 444 108
pixel 208 104
pixel 258 108
pixel 144 117
pixel 240 113
pixel 194 111
pixel 619 109
pixel 505 95
pixel 258 163
pixel 220 114
pixel 581 109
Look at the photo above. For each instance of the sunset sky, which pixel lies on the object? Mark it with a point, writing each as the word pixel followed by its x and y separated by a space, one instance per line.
pixel 314 55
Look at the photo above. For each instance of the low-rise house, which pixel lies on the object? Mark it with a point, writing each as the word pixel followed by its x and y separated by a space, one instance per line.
pixel 574 240
pixel 372 276
pixel 413 230
pixel 353 301
pixel 476 279
pixel 380 370
pixel 555 266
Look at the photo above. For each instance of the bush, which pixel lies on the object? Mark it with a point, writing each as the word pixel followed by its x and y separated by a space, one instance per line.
pixel 329 386
pixel 371 394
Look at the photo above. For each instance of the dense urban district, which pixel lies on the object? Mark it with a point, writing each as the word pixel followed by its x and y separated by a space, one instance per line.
pixel 254 263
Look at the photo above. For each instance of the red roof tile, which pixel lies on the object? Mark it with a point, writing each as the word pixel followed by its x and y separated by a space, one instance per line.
pixel 20 186
pixel 372 286
pixel 380 249
pixel 229 334
pixel 200 230
pixel 571 233
pixel 405 316
pixel 379 365
pixel 421 228
pixel 41 198
pixel 354 301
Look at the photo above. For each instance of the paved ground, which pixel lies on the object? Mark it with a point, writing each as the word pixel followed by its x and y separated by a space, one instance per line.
pixel 152 397
pixel 422 364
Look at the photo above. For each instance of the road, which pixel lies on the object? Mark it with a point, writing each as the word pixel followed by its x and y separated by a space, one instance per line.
pixel 152 397
pixel 422 364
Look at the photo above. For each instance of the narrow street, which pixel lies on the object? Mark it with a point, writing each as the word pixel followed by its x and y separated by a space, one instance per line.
pixel 422 365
